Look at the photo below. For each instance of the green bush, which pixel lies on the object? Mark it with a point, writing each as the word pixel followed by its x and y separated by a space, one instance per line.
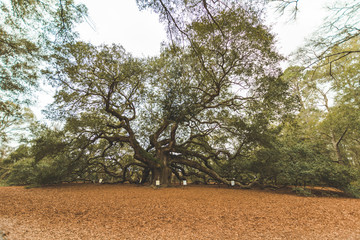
pixel 22 172
pixel 29 172
pixel 353 189
pixel 338 176
pixel 304 164
pixel 296 165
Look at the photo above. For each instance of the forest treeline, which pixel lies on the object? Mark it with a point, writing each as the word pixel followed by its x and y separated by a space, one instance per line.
pixel 213 107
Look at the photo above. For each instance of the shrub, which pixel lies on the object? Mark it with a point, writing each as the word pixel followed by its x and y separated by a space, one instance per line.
pixel 353 189
pixel 21 172
pixel 304 164
pixel 29 172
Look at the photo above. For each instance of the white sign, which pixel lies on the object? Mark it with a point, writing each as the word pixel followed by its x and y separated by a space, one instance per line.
pixel 232 183
pixel 100 180
pixel 184 182
pixel 157 182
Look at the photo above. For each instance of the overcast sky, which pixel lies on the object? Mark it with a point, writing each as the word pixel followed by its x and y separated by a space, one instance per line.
pixel 140 33
pixel 121 22
pixel 291 34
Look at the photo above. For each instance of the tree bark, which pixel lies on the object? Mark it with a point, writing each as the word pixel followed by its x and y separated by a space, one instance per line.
pixel 162 171
pixel 336 146
pixel 163 174
pixel 337 151
pixel 145 175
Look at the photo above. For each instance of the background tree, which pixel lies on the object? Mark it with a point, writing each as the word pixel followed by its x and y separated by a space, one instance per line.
pixel 339 28
pixel 13 119
pixel 329 115
pixel 331 91
pixel 327 80
pixel 28 32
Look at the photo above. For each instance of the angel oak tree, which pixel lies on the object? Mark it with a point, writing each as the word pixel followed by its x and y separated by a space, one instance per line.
pixel 196 106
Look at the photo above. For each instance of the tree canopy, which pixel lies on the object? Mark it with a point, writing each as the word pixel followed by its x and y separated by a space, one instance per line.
pixel 28 32
pixel 339 28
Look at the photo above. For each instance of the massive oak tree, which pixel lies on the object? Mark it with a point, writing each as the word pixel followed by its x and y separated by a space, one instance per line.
pixel 195 108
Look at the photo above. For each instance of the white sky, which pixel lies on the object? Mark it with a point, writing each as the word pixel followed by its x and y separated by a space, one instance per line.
pixel 120 21
pixel 292 34
pixel 140 33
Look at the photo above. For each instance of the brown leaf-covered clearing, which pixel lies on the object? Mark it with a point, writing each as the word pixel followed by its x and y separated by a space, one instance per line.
pixel 87 211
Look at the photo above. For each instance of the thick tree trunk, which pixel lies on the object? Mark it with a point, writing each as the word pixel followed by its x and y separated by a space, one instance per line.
pixel 163 174
pixel 337 153
pixel 145 176
pixel 336 146
pixel 163 171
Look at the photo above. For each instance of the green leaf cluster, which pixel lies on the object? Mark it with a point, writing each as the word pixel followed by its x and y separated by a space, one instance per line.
pixel 29 30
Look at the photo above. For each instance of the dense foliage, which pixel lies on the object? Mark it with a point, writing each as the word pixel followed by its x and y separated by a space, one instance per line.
pixel 29 30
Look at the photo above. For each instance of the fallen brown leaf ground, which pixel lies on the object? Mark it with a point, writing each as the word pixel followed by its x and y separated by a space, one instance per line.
pixel 87 211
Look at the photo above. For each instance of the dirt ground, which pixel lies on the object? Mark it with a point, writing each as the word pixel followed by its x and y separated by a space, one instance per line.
pixel 87 211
